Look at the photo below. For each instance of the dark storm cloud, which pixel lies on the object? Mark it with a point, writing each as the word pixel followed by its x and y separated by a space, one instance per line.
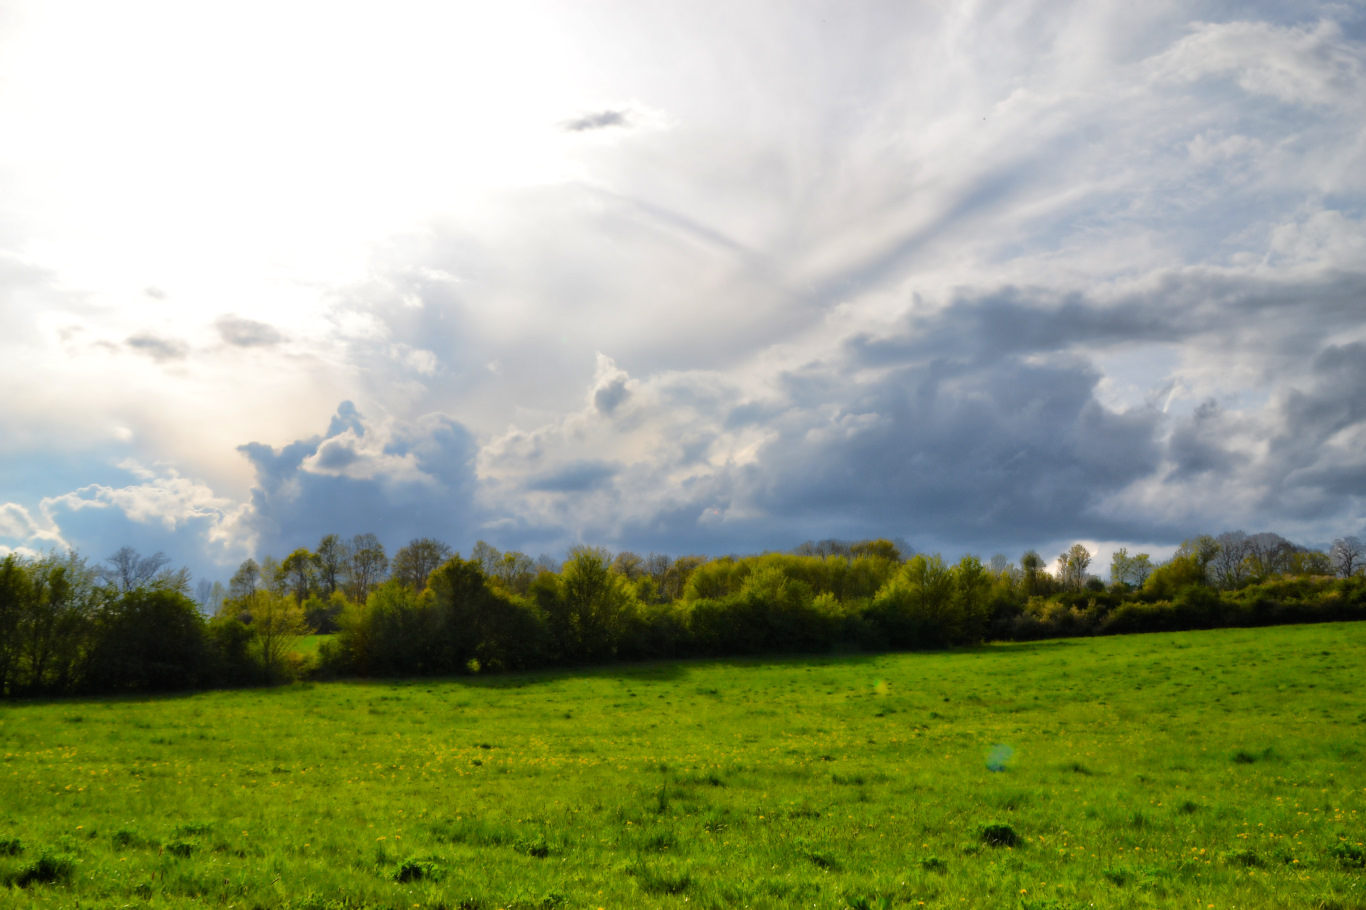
pixel 158 348
pixel 598 120
pixel 247 333
pixel 1015 451
pixel 1199 445
pixel 1018 321
pixel 1315 462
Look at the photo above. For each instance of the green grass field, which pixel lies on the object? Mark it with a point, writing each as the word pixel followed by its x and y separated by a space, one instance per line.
pixel 1212 769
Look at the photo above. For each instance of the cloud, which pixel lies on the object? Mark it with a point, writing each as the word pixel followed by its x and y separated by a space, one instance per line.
pixel 979 278
pixel 398 479
pixel 598 120
pixel 1306 64
pixel 158 348
pixel 247 333
pixel 575 477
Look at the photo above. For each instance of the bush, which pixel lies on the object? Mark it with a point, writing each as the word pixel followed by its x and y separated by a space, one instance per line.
pixel 47 869
pixel 416 870
pixel 149 640
pixel 998 835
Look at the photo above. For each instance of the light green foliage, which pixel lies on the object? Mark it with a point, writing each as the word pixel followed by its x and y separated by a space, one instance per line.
pixel 847 578
pixel 1170 577
pixel 1151 771
pixel 1072 566
pixel 1126 570
pixel 588 607
pixel 279 624
pixel 298 572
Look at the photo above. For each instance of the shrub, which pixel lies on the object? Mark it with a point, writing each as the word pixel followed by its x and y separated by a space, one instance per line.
pixel 413 869
pixel 1353 856
pixel 49 868
pixel 998 835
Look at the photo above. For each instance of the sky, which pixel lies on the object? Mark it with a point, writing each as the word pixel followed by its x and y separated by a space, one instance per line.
pixel 680 277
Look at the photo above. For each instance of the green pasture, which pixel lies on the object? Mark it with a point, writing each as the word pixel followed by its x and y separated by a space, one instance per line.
pixel 1207 769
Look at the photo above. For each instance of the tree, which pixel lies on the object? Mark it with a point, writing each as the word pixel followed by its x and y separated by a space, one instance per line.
pixel 279 625
pixel 1230 563
pixel 487 555
pixel 1303 561
pixel 128 571
pixel 148 639
pixel 1268 553
pixel 331 559
pixel 587 609
pixel 16 591
pixel 1130 570
pixel 210 595
pixel 245 581
pixel 972 586
pixel 916 607
pixel 1031 563
pixel 417 560
pixel 629 564
pixel 1201 551
pixel 1072 566
pixel 880 547
pixel 368 566
pixel 1348 555
pixel 1140 567
pixel 1119 566
pixel 480 621
pixel 66 600
pixel 299 570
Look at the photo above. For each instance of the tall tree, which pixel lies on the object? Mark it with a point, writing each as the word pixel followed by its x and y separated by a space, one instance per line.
pixel 1268 553
pixel 1348 555
pixel 128 571
pixel 245 581
pixel 16 591
pixel 629 564
pixel 279 625
pixel 1229 565
pixel 1072 566
pixel 299 570
pixel 1201 551
pixel 587 607
pixel 369 566
pixel 416 560
pixel 1031 564
pixel 331 558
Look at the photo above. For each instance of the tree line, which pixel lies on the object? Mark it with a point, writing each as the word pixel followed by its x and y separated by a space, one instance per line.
pixel 131 624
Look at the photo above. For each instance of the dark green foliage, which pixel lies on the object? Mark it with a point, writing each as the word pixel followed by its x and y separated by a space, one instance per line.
pixel 586 608
pixel 149 640
pixel 49 868
pixel 63 630
pixel 11 846
pixel 182 848
pixel 414 869
pixel 231 659
pixel 1349 855
pixel 996 834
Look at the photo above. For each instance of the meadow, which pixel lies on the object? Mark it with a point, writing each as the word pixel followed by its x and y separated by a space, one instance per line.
pixel 1217 769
